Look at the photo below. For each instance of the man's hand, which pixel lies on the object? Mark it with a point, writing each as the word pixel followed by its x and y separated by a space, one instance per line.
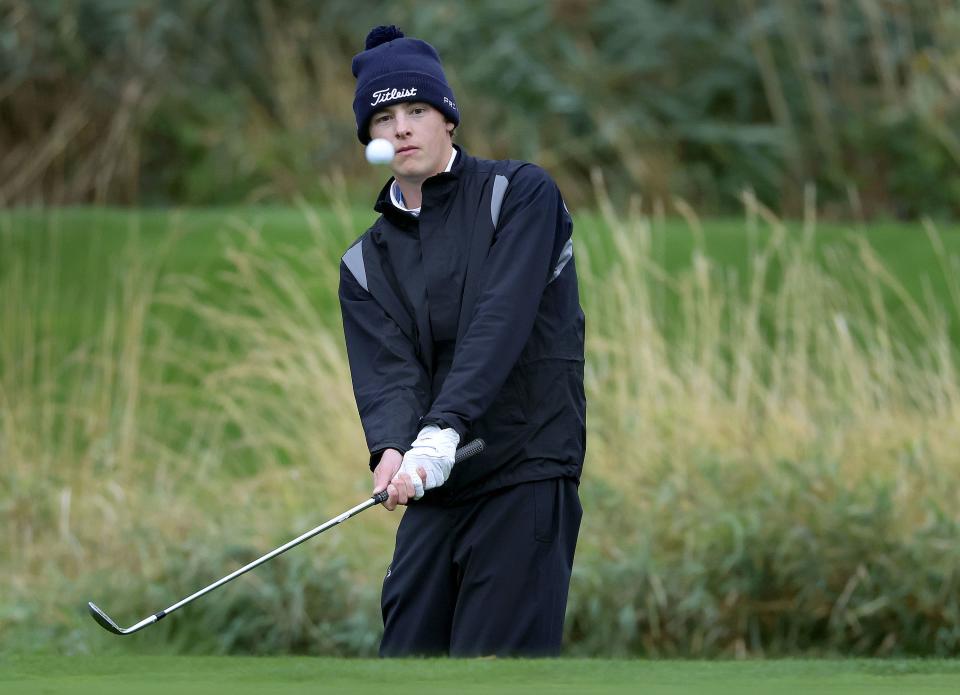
pixel 431 457
pixel 399 486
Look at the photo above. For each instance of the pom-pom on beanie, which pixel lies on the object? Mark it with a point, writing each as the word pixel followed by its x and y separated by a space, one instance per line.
pixel 395 69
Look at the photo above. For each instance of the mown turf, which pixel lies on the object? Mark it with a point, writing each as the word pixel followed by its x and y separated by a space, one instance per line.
pixel 84 250
pixel 238 675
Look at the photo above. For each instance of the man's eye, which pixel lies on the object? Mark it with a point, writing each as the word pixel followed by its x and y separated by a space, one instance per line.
pixel 418 110
pixel 381 119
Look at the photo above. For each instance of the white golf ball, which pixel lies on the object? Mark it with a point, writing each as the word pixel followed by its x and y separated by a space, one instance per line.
pixel 379 151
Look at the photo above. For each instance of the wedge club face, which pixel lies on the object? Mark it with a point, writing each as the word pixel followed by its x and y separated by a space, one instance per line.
pixel 106 622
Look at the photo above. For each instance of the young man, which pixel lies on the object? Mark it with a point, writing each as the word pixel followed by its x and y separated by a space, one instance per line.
pixel 462 320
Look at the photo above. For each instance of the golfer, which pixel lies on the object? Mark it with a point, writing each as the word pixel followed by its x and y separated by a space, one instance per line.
pixel 462 319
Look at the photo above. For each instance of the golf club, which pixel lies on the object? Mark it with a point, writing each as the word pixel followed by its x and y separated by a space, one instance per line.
pixel 107 623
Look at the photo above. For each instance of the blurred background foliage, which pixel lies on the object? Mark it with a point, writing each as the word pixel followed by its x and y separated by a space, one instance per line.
pixel 174 391
pixel 209 101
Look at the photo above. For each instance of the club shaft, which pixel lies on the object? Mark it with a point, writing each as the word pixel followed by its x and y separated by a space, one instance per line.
pixel 464 452
pixel 339 519
pixel 471 449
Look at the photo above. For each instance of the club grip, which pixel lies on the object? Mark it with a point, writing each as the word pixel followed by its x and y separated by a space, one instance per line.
pixel 469 449
pixel 466 451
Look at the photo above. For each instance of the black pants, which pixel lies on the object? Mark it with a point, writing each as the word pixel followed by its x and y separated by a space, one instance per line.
pixel 486 577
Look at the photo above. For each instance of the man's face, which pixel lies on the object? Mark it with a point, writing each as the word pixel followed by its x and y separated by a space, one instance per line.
pixel 419 134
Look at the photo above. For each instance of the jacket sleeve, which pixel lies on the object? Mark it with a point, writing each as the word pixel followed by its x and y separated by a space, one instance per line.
pixel 390 385
pixel 533 227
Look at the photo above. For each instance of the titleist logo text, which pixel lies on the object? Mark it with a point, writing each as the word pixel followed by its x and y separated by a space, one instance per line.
pixel 382 95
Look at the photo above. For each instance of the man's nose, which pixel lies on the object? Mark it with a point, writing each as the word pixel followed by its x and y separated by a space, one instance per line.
pixel 401 125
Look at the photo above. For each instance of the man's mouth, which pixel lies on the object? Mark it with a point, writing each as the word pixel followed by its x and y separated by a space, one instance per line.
pixel 406 150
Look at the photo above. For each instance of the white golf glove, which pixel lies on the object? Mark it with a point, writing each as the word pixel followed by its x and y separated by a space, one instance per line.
pixel 434 450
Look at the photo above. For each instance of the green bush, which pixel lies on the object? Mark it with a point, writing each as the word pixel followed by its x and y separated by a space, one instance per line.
pixel 196 101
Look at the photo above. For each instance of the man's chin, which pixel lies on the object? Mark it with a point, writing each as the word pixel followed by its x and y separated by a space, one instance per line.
pixel 408 170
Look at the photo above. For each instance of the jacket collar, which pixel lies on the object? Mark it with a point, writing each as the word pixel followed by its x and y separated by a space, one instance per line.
pixel 406 220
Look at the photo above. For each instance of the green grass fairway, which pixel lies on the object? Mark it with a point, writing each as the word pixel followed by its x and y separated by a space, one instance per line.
pixel 86 253
pixel 83 249
pixel 237 675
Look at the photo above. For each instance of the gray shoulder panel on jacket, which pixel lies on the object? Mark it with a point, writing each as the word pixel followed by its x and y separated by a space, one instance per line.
pixel 496 199
pixel 565 255
pixel 353 259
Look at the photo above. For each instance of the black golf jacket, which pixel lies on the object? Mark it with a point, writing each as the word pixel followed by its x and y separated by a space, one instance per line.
pixel 469 317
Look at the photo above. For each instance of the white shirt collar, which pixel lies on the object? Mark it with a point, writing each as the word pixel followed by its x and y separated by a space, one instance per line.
pixel 396 197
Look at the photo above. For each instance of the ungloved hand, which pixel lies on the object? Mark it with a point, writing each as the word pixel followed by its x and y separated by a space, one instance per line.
pixel 434 451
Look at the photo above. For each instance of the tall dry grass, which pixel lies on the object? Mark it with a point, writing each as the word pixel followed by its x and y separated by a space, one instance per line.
pixel 778 471
pixel 772 458
pixel 801 351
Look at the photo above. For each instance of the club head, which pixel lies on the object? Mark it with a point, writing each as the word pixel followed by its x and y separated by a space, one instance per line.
pixel 104 620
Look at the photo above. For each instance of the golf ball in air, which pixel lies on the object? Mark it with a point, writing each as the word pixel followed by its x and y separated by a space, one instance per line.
pixel 379 151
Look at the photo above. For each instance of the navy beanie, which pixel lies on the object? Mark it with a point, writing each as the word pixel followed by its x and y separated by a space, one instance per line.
pixel 394 69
